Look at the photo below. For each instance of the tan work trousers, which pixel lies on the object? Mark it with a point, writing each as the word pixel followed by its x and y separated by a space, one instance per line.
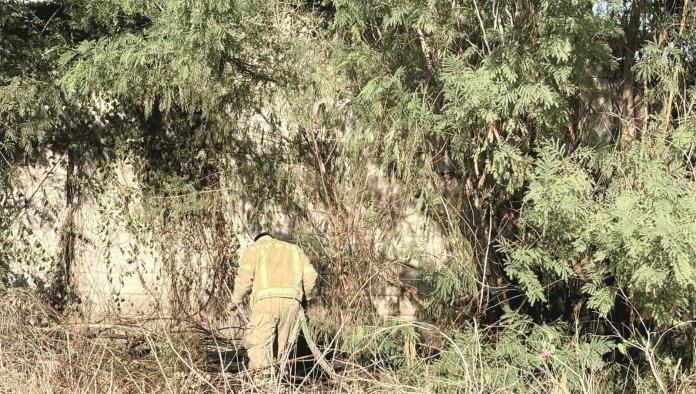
pixel 271 318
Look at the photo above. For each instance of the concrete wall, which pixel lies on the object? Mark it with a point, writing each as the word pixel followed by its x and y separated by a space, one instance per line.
pixel 121 263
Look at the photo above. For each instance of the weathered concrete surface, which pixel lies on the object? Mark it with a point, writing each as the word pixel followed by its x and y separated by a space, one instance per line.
pixel 126 265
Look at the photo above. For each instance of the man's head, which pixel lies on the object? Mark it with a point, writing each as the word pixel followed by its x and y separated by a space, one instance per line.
pixel 261 234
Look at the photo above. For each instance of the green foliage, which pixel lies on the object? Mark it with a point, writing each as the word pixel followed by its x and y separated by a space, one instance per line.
pixel 552 143
pixel 384 345
pixel 29 102
pixel 449 285
pixel 516 356
pixel 561 196
pixel 636 226
pixel 206 57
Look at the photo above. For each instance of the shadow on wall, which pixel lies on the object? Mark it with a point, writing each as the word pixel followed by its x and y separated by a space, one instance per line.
pixel 120 265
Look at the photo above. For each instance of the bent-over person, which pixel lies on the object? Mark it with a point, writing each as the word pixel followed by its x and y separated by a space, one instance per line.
pixel 277 275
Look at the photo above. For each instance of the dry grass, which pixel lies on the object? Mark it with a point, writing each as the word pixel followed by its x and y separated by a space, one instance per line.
pixel 42 352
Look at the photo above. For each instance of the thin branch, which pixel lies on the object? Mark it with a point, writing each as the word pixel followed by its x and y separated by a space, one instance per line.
pixel 483 29
pixel 668 107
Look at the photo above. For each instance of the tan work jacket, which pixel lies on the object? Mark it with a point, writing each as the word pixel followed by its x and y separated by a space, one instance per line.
pixel 270 268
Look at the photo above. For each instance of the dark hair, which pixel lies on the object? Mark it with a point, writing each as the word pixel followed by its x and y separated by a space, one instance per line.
pixel 261 234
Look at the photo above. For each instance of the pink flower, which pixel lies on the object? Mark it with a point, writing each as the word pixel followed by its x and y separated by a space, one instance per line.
pixel 545 354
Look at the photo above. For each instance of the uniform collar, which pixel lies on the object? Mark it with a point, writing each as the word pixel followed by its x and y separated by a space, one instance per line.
pixel 264 238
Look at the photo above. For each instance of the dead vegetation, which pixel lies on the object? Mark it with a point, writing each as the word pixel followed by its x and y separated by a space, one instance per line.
pixel 42 351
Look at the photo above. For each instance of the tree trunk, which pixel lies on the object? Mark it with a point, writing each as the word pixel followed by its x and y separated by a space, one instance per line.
pixel 629 131
pixel 63 283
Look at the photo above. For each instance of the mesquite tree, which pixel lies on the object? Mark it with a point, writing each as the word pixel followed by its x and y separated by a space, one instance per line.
pixel 553 142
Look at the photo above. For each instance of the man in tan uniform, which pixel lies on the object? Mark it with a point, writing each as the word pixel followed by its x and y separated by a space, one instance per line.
pixel 279 276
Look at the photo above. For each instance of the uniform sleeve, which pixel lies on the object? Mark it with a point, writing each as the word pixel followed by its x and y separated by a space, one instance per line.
pixel 309 276
pixel 245 275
